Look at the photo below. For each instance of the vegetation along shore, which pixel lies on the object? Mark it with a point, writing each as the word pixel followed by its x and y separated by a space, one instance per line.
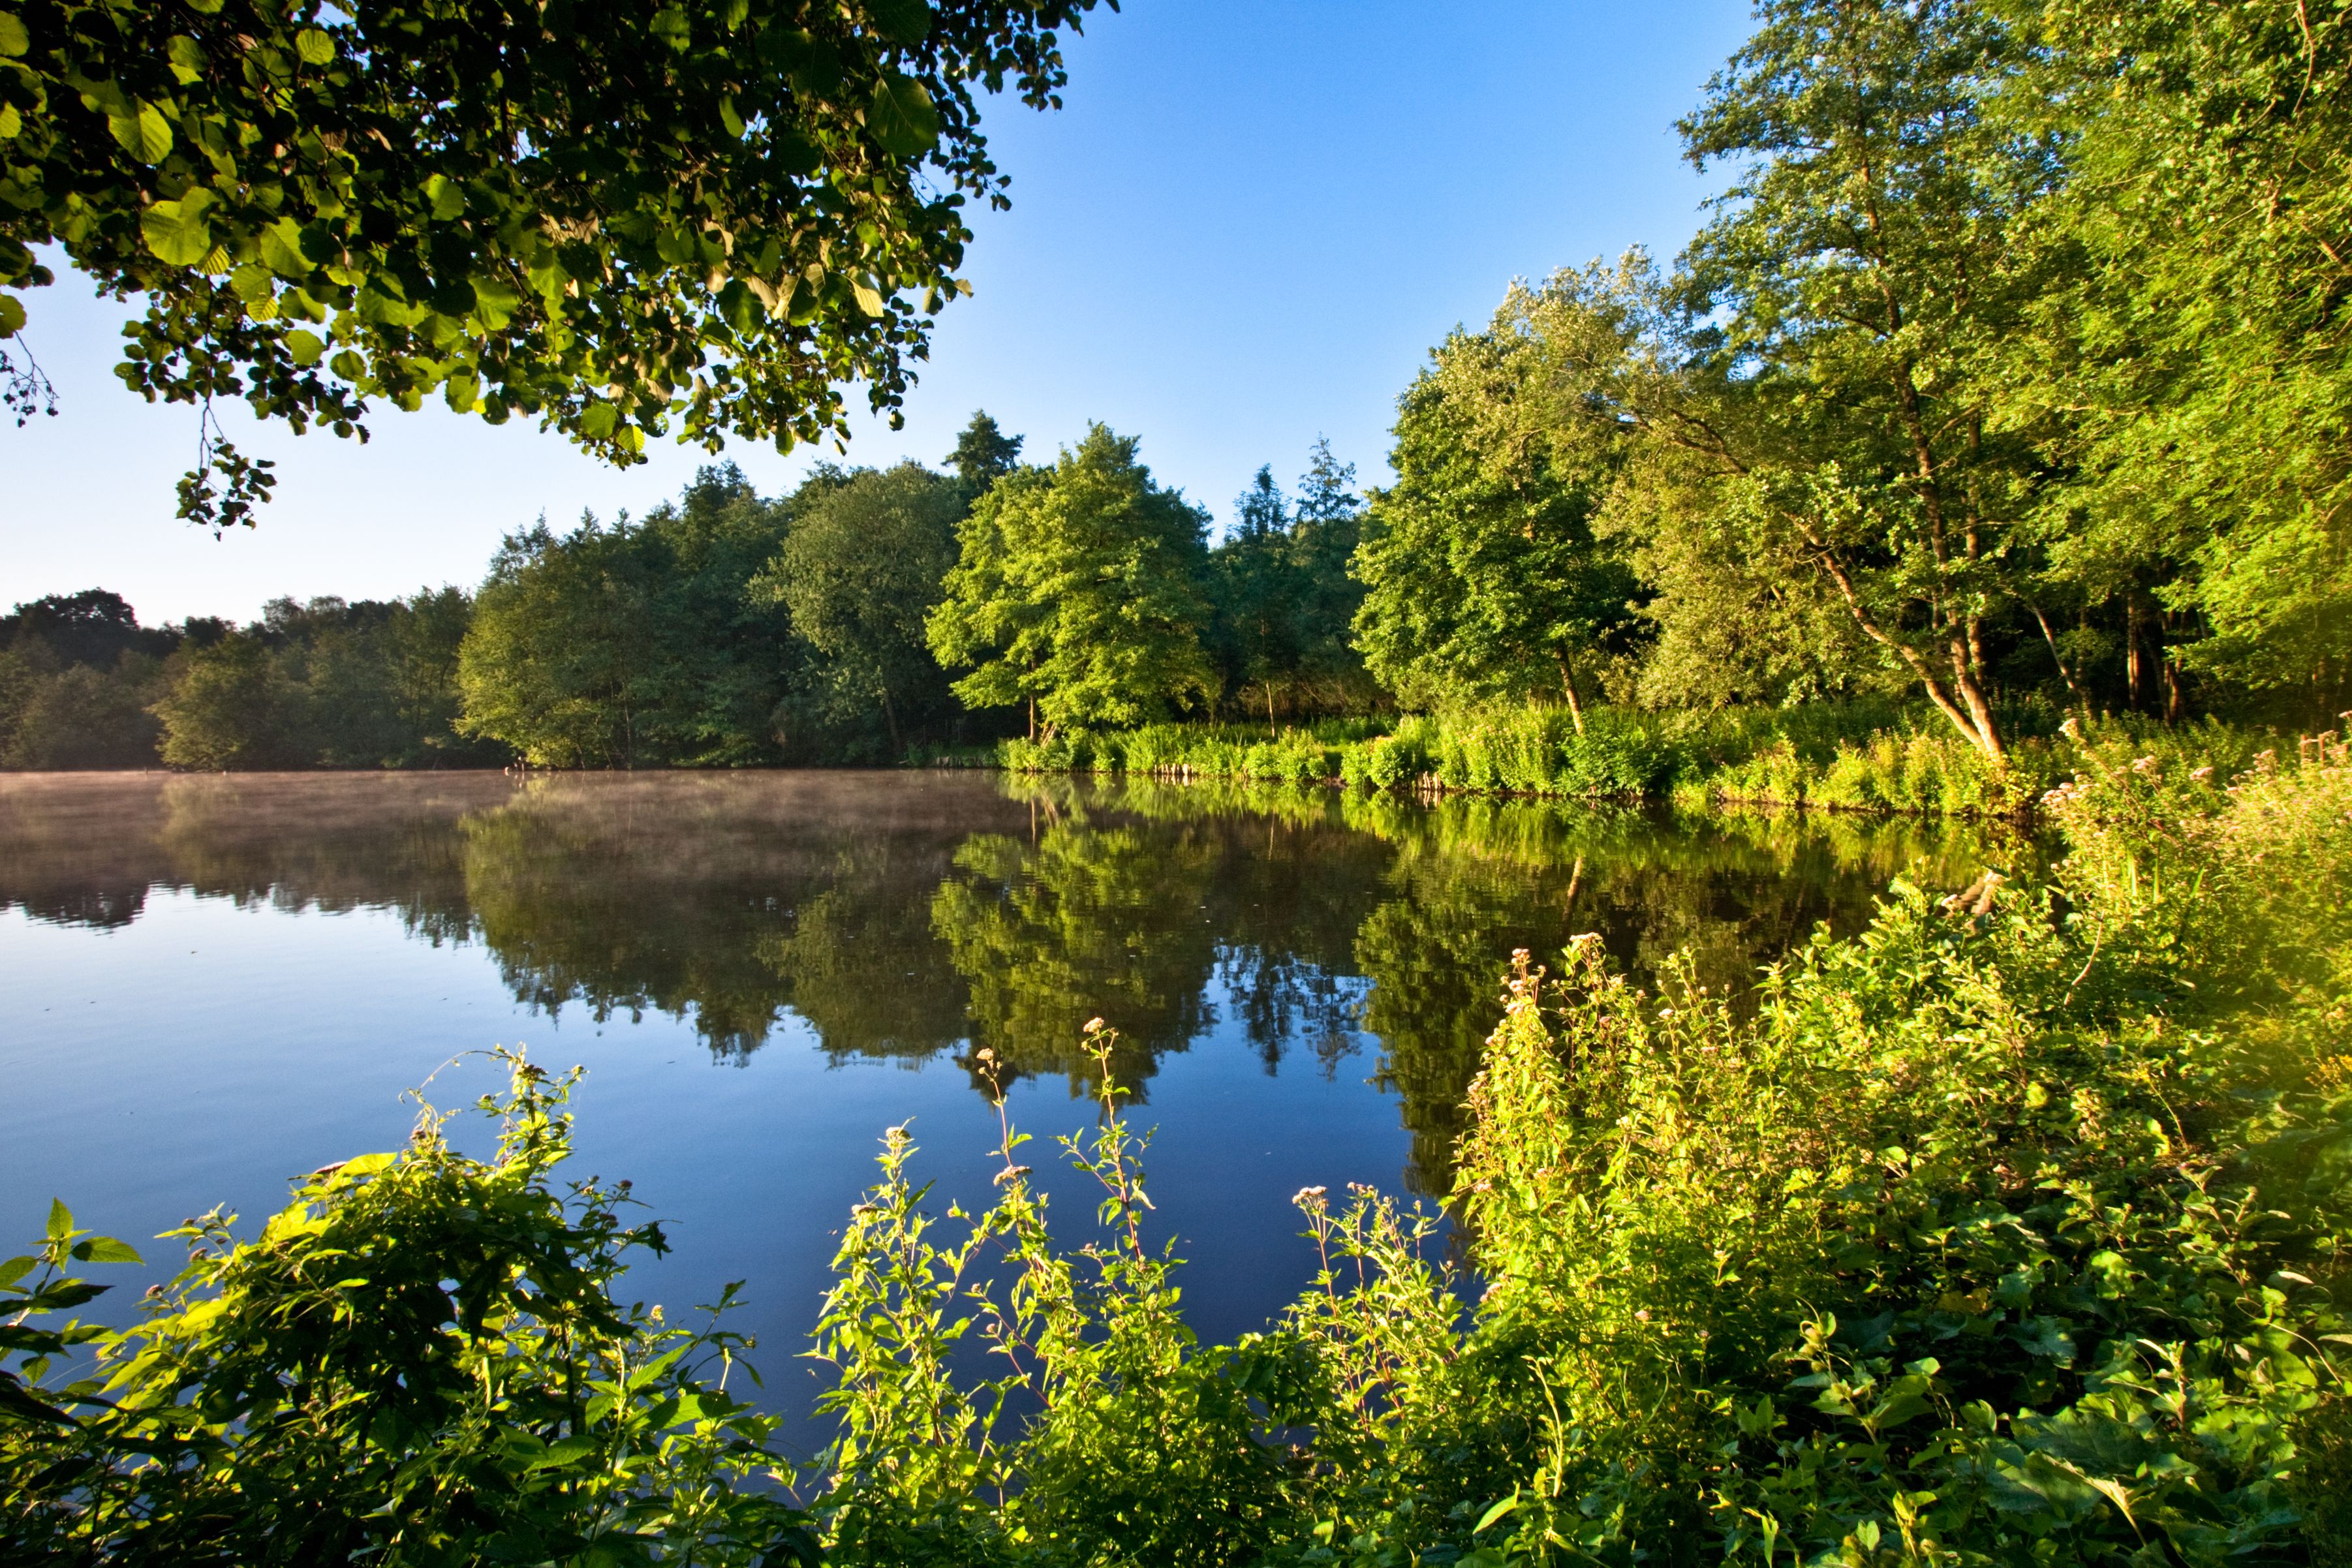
pixel 1987 448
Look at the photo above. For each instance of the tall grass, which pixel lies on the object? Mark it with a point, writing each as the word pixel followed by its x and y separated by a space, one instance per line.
pixel 1861 756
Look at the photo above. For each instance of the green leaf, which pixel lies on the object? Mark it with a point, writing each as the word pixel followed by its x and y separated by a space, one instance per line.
pixel 1508 1505
pixel 60 1219
pixel 596 421
pixel 669 24
pixel 446 198
pixel 106 1249
pixel 348 365
pixel 495 303
pixel 739 307
pixel 14 1270
pixel 176 230
pixel 281 249
pixel 315 47
pixel 730 120
pixel 305 346
pixel 901 21
pixel 146 135
pixel 12 315
pixel 901 117
pixel 14 40
pixel 869 297
pixel 562 1453
pixel 11 123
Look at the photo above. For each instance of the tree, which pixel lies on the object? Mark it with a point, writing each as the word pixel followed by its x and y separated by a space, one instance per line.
pixel 1326 526
pixel 232 707
pixel 1258 594
pixel 1483 575
pixel 1861 271
pixel 983 455
pixel 635 643
pixel 860 573
pixel 1077 592
pixel 612 218
pixel 2191 376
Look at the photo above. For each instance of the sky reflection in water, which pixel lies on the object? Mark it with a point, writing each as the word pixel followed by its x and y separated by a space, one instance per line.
pixel 212 982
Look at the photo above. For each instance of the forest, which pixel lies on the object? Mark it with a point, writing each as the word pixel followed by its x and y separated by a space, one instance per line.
pixel 2009 377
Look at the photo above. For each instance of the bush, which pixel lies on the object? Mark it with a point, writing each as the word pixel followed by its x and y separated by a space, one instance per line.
pixel 420 1361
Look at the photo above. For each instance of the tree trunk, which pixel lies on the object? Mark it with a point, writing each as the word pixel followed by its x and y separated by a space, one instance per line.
pixel 1567 685
pixel 2065 671
pixel 2131 649
pixel 1032 717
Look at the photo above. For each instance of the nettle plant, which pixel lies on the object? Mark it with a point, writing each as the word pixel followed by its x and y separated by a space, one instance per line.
pixel 421 1360
pixel 1108 1432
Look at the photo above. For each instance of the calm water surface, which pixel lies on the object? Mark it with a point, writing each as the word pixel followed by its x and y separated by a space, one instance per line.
pixel 207 984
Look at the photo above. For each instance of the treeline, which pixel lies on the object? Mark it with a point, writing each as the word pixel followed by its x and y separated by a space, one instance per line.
pixel 2010 375
pixel 724 629
pixel 326 684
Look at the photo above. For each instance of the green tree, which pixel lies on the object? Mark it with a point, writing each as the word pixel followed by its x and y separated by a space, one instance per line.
pixel 1483 574
pixel 1077 590
pixel 612 219
pixel 636 644
pixel 1259 595
pixel 983 454
pixel 860 573
pixel 231 707
pixel 1859 272
pixel 1327 526
pixel 2191 377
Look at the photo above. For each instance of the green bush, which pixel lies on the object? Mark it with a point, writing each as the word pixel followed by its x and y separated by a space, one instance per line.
pixel 420 1361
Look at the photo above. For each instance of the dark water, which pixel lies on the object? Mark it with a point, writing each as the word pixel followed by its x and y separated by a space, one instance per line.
pixel 210 983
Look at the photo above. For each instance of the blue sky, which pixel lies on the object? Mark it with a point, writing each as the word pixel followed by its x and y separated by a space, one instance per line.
pixel 1245 229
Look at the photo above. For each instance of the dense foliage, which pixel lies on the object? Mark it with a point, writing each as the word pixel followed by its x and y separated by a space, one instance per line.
pixel 420 1361
pixel 709 215
pixel 2011 363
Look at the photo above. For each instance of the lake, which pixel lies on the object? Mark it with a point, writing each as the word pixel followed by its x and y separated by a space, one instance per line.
pixel 213 982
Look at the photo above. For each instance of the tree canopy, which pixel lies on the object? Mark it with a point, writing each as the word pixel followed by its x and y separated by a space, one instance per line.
pixel 1077 590
pixel 703 215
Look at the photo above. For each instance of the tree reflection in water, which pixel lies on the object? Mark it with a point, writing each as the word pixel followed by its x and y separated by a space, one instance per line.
pixel 924 916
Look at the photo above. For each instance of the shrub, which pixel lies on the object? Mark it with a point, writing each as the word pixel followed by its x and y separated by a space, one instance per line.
pixel 421 1360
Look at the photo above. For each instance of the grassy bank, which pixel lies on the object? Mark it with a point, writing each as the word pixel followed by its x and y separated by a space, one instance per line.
pixel 1861 756
pixel 2011 1230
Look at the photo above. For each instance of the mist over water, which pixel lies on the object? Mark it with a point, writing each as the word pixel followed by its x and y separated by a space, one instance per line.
pixel 211 983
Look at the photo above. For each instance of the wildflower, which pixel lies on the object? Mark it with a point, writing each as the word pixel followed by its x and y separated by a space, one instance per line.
pixel 1093 1025
pixel 1309 1196
pixel 1010 1172
pixel 2202 774
pixel 2145 765
pixel 1642 1316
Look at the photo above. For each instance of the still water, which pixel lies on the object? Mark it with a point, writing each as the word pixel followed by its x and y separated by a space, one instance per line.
pixel 208 984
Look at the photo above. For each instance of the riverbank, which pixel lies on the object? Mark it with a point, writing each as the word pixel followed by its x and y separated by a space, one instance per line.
pixel 1855 758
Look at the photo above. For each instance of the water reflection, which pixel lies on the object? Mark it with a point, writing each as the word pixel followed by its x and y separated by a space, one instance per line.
pixel 919 917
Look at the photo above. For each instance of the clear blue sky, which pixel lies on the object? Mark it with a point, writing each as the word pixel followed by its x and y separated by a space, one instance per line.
pixel 1247 229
